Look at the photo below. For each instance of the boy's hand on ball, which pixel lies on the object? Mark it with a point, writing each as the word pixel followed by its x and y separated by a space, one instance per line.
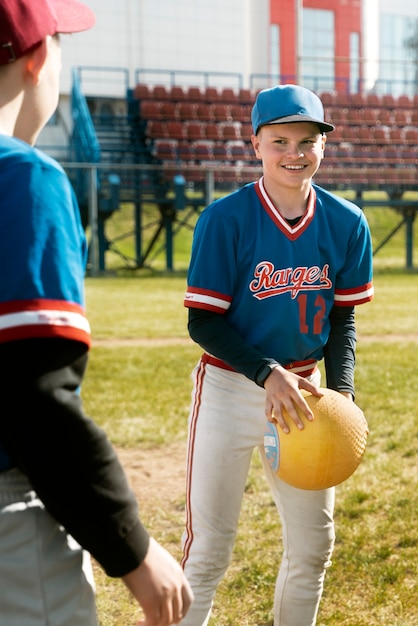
pixel 283 395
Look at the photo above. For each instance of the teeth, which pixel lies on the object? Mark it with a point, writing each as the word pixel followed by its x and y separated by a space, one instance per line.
pixel 294 167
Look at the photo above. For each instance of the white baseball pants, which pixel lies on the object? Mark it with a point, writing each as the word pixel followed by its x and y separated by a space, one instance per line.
pixel 226 423
pixel 45 577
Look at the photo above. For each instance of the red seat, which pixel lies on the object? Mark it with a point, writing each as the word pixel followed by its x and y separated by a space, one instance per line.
pixel 160 92
pixel 175 130
pixel 357 100
pixel 228 95
pixel 194 94
pixel 384 117
pixel 168 110
pixel 219 152
pixel 213 132
pixel 211 94
pixel 404 102
pixel 221 112
pixel 150 110
pixel 245 96
pixel 230 132
pixel 373 100
pixel 165 150
pixel 246 131
pixel 203 112
pixel 185 152
pixel 388 101
pixel 177 93
pixel 239 152
pixel 194 131
pixel 203 151
pixel 239 113
pixel 401 117
pixel 370 116
pixel 354 116
pixel 379 134
pixel 328 99
pixel 186 111
pixel 411 136
pixel 156 129
pixel 142 92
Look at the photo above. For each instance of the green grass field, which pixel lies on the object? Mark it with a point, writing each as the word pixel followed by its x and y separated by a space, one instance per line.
pixel 138 387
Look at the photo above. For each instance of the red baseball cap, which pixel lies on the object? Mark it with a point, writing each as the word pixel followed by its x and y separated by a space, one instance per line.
pixel 25 23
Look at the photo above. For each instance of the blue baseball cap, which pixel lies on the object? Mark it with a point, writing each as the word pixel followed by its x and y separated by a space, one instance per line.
pixel 288 103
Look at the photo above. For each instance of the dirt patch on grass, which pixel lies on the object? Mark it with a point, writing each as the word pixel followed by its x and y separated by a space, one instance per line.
pixel 157 475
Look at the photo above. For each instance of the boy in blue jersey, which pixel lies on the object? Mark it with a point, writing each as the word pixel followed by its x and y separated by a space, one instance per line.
pixel 63 492
pixel 288 263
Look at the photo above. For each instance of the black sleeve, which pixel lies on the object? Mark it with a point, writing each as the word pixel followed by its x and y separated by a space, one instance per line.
pixel 68 459
pixel 340 350
pixel 213 334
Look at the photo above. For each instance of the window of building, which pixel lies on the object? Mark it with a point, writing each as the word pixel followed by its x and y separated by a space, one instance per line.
pixel 355 86
pixel 398 68
pixel 275 51
pixel 318 49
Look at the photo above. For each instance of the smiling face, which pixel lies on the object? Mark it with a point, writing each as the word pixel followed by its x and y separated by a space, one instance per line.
pixel 290 153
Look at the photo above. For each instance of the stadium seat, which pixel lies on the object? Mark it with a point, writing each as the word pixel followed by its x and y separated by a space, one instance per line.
pixel 175 130
pixel 379 135
pixel 393 155
pixel 246 131
pixel 221 112
pixel 404 102
pixel 194 94
pixel 239 152
pixel 228 95
pixel 388 101
pixel 156 129
pixel 160 92
pixel 373 100
pixel 213 132
pixel 203 151
pixel 142 91
pixel 211 94
pixel 168 110
pixel 194 131
pixel 220 152
pixel 185 152
pixel 363 134
pixel 328 98
pixel 240 113
pixel 354 116
pixel 401 117
pixel 186 111
pixel 203 112
pixel 230 132
pixel 177 93
pixel 411 136
pixel 245 96
pixel 342 100
pixel 384 117
pixel 150 110
pixel 165 150
pixel 370 116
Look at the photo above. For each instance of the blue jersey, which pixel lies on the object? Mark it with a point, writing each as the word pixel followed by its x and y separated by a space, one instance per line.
pixel 42 252
pixel 43 249
pixel 276 283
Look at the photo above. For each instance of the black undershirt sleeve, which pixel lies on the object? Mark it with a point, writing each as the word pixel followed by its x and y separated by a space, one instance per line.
pixel 68 459
pixel 340 350
pixel 213 333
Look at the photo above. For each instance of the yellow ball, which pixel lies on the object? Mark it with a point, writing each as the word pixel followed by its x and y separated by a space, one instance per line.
pixel 328 449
